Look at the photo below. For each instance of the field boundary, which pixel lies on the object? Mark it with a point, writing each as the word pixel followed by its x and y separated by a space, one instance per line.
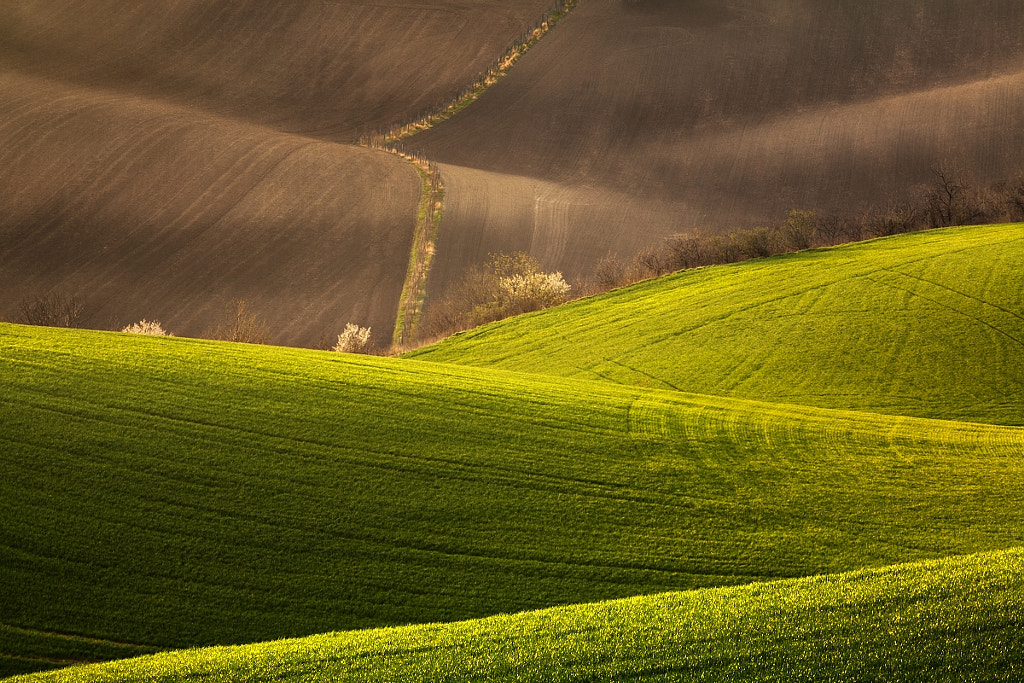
pixel 429 212
pixel 485 80
pixel 424 240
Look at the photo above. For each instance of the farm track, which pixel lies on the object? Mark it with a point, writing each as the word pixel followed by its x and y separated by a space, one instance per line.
pixel 217 493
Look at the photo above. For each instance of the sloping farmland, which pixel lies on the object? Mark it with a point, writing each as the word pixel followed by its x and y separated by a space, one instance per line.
pixel 948 620
pixel 164 493
pixel 162 159
pixel 143 209
pixel 635 120
pixel 927 324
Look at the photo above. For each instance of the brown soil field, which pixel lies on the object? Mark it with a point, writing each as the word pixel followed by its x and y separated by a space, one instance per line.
pixel 329 69
pixel 635 120
pixel 147 210
pixel 159 159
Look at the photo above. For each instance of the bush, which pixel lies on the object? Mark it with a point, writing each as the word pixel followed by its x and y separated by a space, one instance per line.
pixel 532 291
pixel 353 340
pixel 240 324
pixel 508 285
pixel 52 310
pixel 147 327
pixel 798 231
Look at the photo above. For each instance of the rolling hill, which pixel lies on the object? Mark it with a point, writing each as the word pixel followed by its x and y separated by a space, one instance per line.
pixel 329 70
pixel 805 467
pixel 636 120
pixel 955 619
pixel 163 159
pixel 927 324
pixel 144 209
pixel 170 492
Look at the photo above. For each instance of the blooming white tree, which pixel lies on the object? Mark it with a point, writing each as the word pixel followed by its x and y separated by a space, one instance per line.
pixel 147 327
pixel 353 340
pixel 532 290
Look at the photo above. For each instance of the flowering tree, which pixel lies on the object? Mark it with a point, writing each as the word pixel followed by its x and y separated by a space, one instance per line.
pixel 353 340
pixel 147 327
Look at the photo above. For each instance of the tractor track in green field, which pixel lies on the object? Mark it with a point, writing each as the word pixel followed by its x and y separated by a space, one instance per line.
pixel 236 493
pixel 950 307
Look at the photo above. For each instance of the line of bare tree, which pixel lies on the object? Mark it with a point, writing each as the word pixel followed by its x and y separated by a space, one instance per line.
pixel 948 201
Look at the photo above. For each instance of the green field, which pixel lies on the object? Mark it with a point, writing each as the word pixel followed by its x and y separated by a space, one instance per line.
pixel 160 493
pixel 956 619
pixel 927 324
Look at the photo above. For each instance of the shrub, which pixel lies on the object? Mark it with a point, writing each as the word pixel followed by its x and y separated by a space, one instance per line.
pixel 240 324
pixel 798 231
pixel 531 291
pixel 353 340
pixel 147 327
pixel 52 310
pixel 508 285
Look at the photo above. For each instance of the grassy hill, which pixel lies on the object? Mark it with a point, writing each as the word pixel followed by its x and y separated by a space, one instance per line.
pixel 928 324
pixel 635 120
pixel 950 620
pixel 169 492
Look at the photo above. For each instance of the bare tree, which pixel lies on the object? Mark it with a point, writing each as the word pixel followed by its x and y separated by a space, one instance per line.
pixel 53 310
pixel 952 201
pixel 240 324
pixel 798 230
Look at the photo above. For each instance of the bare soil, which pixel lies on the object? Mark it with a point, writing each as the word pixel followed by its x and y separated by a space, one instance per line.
pixel 727 114
pixel 159 159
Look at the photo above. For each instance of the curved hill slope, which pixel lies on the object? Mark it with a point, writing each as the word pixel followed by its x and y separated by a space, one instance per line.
pixel 724 114
pixel 170 492
pixel 162 158
pixel 148 210
pixel 928 324
pixel 329 69
pixel 950 620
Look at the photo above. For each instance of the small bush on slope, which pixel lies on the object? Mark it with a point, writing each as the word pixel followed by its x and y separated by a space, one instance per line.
pixel 353 339
pixel 510 284
pixel 960 619
pixel 150 327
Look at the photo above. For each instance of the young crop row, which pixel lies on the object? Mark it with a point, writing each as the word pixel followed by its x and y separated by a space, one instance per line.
pixel 173 492
pixel 927 324
pixel 949 620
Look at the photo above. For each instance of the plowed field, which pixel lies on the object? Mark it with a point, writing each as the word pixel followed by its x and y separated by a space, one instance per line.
pixel 654 117
pixel 160 159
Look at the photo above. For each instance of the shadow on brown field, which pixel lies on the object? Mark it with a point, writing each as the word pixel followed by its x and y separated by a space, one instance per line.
pixel 636 120
pixel 160 159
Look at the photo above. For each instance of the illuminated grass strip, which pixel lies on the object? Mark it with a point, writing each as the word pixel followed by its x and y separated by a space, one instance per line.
pixel 428 223
pixel 950 620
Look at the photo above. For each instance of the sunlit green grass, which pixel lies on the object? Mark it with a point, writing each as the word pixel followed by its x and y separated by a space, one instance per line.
pixel 171 492
pixel 928 324
pixel 959 619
